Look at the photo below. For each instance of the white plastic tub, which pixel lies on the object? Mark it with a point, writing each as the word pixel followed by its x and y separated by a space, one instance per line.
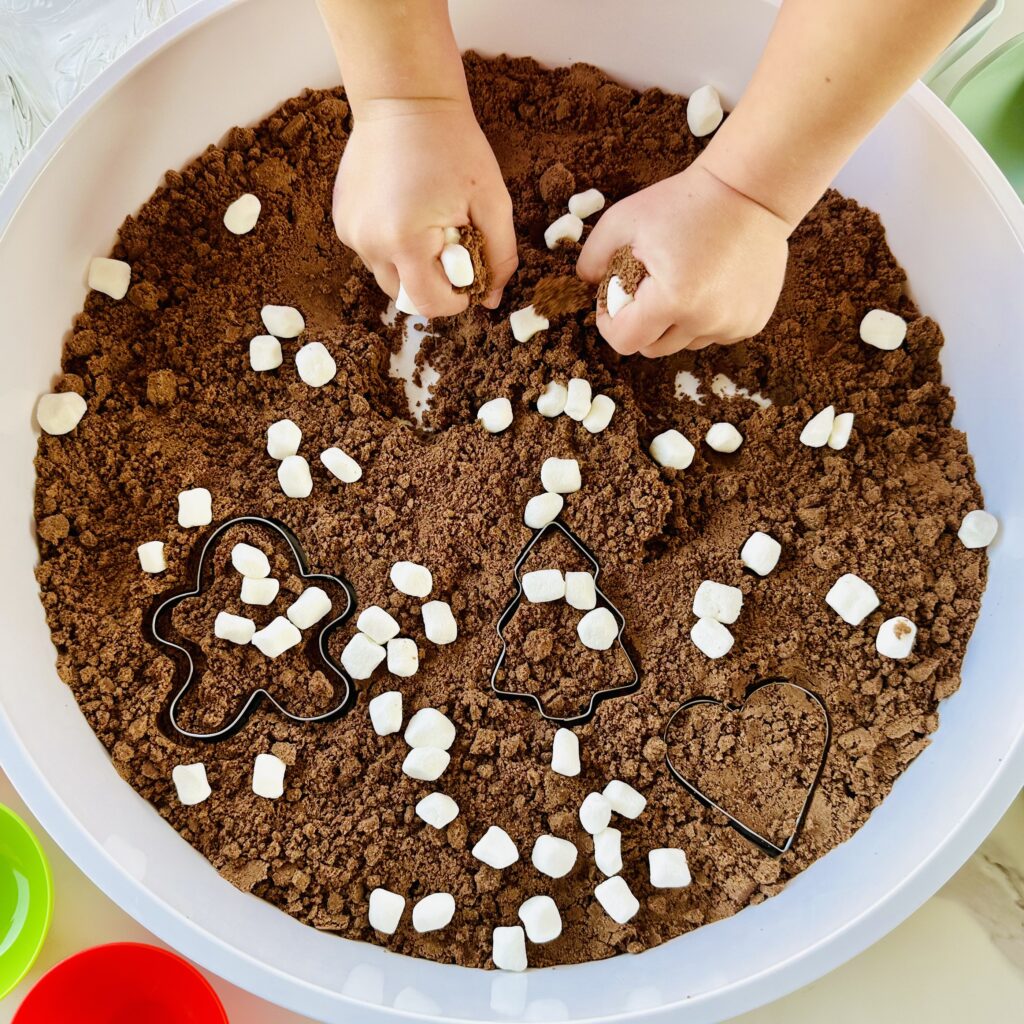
pixel 953 222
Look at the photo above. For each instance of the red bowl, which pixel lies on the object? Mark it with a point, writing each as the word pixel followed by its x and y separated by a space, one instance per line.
pixel 122 983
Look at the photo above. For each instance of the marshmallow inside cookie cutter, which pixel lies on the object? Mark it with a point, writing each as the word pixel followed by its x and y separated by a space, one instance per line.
pixel 189 661
pixel 765 844
pixel 513 606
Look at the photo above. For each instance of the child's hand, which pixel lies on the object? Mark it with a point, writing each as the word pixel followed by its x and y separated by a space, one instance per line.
pixel 412 168
pixel 715 262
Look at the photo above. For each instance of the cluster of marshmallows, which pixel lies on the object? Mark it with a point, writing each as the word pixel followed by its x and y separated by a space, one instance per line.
pixel 577 401
pixel 293 473
pixel 193 788
pixel 314 363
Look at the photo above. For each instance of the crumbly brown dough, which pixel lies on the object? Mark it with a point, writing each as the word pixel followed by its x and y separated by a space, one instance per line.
pixel 886 508
pixel 556 296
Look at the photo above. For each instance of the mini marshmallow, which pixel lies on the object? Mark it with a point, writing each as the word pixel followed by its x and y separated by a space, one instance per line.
pixel 111 277
pixel 195 507
pixel 842 427
pixel 361 656
pixel 818 429
pixel 386 909
pixel 283 439
pixel 276 637
pixel 412 578
pixel 583 204
pixel 508 949
pixel 551 402
pixel 241 216
pixel 377 624
pixel 704 111
pixel 59 414
pixel 723 437
pixel 560 476
pixel 282 321
pixel 542 509
pixel 191 783
pixel 543 585
pixel 578 399
pixel 711 638
pixel 672 450
pixel 978 529
pixel 580 591
pixel 669 869
pixel 495 415
pixel 565 753
pixel 618 901
pixel 717 601
pixel 602 409
pixel 236 628
pixel 261 592
pixel 527 322
pixel 852 599
pixel 386 712
pixel 553 857
pixel 435 911
pixel 430 728
pixel 294 477
pixel 896 638
pixel 608 851
pixel 760 552
pixel 268 776
pixel 437 810
pixel 151 556
pixel 616 298
pixel 598 629
pixel 403 657
pixel 309 608
pixel 883 329
pixel 427 764
pixel 439 624
pixel 568 228
pixel 315 364
pixel 250 561
pixel 343 466
pixel 496 848
pixel 265 353
pixel 595 813
pixel 457 264
pixel 625 800
pixel 541 919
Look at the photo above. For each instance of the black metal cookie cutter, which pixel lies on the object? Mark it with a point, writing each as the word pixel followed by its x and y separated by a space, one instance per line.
pixel 513 606
pixel 186 661
pixel 762 842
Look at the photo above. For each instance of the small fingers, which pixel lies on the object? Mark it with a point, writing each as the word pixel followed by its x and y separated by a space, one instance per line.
pixel 640 324
pixel 493 218
pixel 386 277
pixel 425 281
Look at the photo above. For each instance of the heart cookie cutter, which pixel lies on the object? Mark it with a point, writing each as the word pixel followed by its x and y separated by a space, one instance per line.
pixel 762 842
pixel 513 606
pixel 186 662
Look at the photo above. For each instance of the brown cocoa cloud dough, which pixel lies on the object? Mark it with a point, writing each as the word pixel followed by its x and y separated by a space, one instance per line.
pixel 173 404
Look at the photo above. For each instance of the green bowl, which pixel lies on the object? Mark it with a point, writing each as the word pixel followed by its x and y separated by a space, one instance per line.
pixel 26 899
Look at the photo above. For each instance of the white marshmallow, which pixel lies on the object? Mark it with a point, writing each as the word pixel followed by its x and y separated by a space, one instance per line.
pixel 195 507
pixel 268 776
pixel 551 402
pixel 457 264
pixel 236 628
pixel 386 712
pixel 608 851
pixel 717 601
pixel 403 657
pixel 616 298
pixel 315 364
pixel 704 111
pixel 625 800
pixel 852 599
pixel 723 437
pixel 896 638
pixel 883 329
pixel 412 578
pixel 595 813
pixel 842 427
pixel 403 303
pixel 433 912
pixel 59 414
pixel 452 235
pixel 578 399
pixel 283 439
pixel 261 592
pixel 527 322
pixel 580 591
pixel 618 901
pixel 430 728
pixel 818 428
pixel 361 656
pixel 711 638
pixel 250 561
pixel 191 783
pixel 495 415
pixel 760 552
pixel 439 623
pixel 672 450
pixel 377 624
pixel 437 810
pixel 265 353
pixel 427 764
pixel 669 869
pixel 277 637
pixel 541 919
pixel 241 216
pixel 386 910
pixel 282 321
pixel 309 607
pixel 553 857
pixel 598 629
pixel 343 466
pixel 978 529
pixel 583 204
pixel 509 948
pixel 565 753
pixel 560 476
pixel 568 228
pixel 111 277
pixel 496 848
pixel 151 556
pixel 542 509
pixel 543 585
pixel 294 477
pixel 602 409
